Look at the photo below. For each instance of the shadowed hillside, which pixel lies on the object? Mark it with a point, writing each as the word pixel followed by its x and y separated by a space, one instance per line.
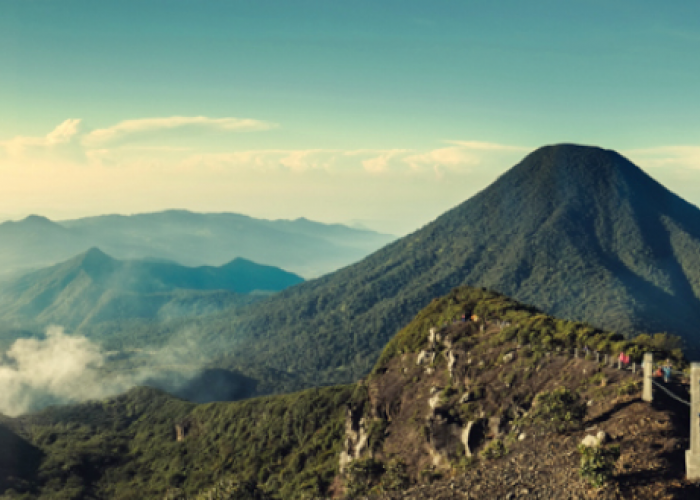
pixel 19 461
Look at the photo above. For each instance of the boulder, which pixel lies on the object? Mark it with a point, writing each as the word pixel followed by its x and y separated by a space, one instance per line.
pixel 594 441
pixel 495 426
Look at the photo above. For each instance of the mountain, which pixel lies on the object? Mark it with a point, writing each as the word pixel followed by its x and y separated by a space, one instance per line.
pixel 94 287
pixel 192 239
pixel 487 407
pixel 577 231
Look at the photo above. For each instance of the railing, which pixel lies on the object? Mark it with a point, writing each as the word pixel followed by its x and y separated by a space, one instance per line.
pixel 692 456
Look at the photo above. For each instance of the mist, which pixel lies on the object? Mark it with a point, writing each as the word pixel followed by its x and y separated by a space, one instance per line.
pixel 61 368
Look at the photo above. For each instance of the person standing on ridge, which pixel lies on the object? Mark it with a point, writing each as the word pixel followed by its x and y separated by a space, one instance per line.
pixel 667 373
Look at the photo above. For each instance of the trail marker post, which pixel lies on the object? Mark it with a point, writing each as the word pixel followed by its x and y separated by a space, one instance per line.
pixel 692 456
pixel 648 370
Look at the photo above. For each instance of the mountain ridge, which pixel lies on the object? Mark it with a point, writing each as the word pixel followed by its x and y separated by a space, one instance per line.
pixel 95 285
pixel 624 254
pixel 190 238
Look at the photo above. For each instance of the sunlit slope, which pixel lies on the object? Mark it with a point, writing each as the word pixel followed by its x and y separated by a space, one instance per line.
pixel 579 232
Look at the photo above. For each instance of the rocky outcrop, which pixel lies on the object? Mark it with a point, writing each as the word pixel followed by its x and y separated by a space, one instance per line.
pixel 444 438
pixel 356 437
pixel 594 441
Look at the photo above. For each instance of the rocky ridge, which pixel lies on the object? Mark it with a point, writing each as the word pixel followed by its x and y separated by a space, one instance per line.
pixel 464 413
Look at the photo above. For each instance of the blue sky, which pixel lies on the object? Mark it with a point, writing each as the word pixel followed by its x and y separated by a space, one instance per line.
pixel 384 112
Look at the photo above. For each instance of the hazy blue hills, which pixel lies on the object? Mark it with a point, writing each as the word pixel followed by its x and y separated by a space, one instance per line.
pixel 94 287
pixel 192 239
pixel 577 231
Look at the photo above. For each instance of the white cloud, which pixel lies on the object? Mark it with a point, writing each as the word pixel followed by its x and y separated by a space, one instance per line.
pixel 63 134
pixel 487 146
pixel 454 157
pixel 380 164
pixel 131 129
pixel 311 159
pixel 463 157
pixel 676 157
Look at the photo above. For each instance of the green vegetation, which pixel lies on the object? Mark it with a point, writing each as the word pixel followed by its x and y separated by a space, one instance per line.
pixel 95 289
pixel 362 476
pixel 287 447
pixel 629 387
pixel 579 232
pixel 544 233
pixel 527 324
pixel 559 410
pixel 494 449
pixel 598 463
pixel 125 447
pixel 395 476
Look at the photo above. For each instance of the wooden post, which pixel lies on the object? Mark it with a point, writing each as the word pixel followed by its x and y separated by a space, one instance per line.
pixel 647 395
pixel 575 352
pixel 634 367
pixel 692 456
pixel 619 364
pixel 597 357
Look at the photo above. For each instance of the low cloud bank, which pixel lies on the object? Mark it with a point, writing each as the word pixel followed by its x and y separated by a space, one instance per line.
pixel 62 368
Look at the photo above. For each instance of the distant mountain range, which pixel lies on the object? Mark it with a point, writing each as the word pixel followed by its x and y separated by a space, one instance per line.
pixel 94 288
pixel 193 239
pixel 577 231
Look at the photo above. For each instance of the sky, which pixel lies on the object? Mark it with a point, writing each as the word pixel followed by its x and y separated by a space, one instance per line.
pixel 381 113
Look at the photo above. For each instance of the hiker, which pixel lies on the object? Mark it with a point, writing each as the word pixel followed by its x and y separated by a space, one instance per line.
pixel 623 359
pixel 667 373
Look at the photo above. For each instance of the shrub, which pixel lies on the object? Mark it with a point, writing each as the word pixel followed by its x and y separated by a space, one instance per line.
pixel 376 433
pixel 560 410
pixel 395 478
pixel 495 449
pixel 598 463
pixel 361 475
pixel 627 388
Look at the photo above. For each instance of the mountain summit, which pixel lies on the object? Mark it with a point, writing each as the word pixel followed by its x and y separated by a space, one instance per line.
pixel 585 234
pixel 580 232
